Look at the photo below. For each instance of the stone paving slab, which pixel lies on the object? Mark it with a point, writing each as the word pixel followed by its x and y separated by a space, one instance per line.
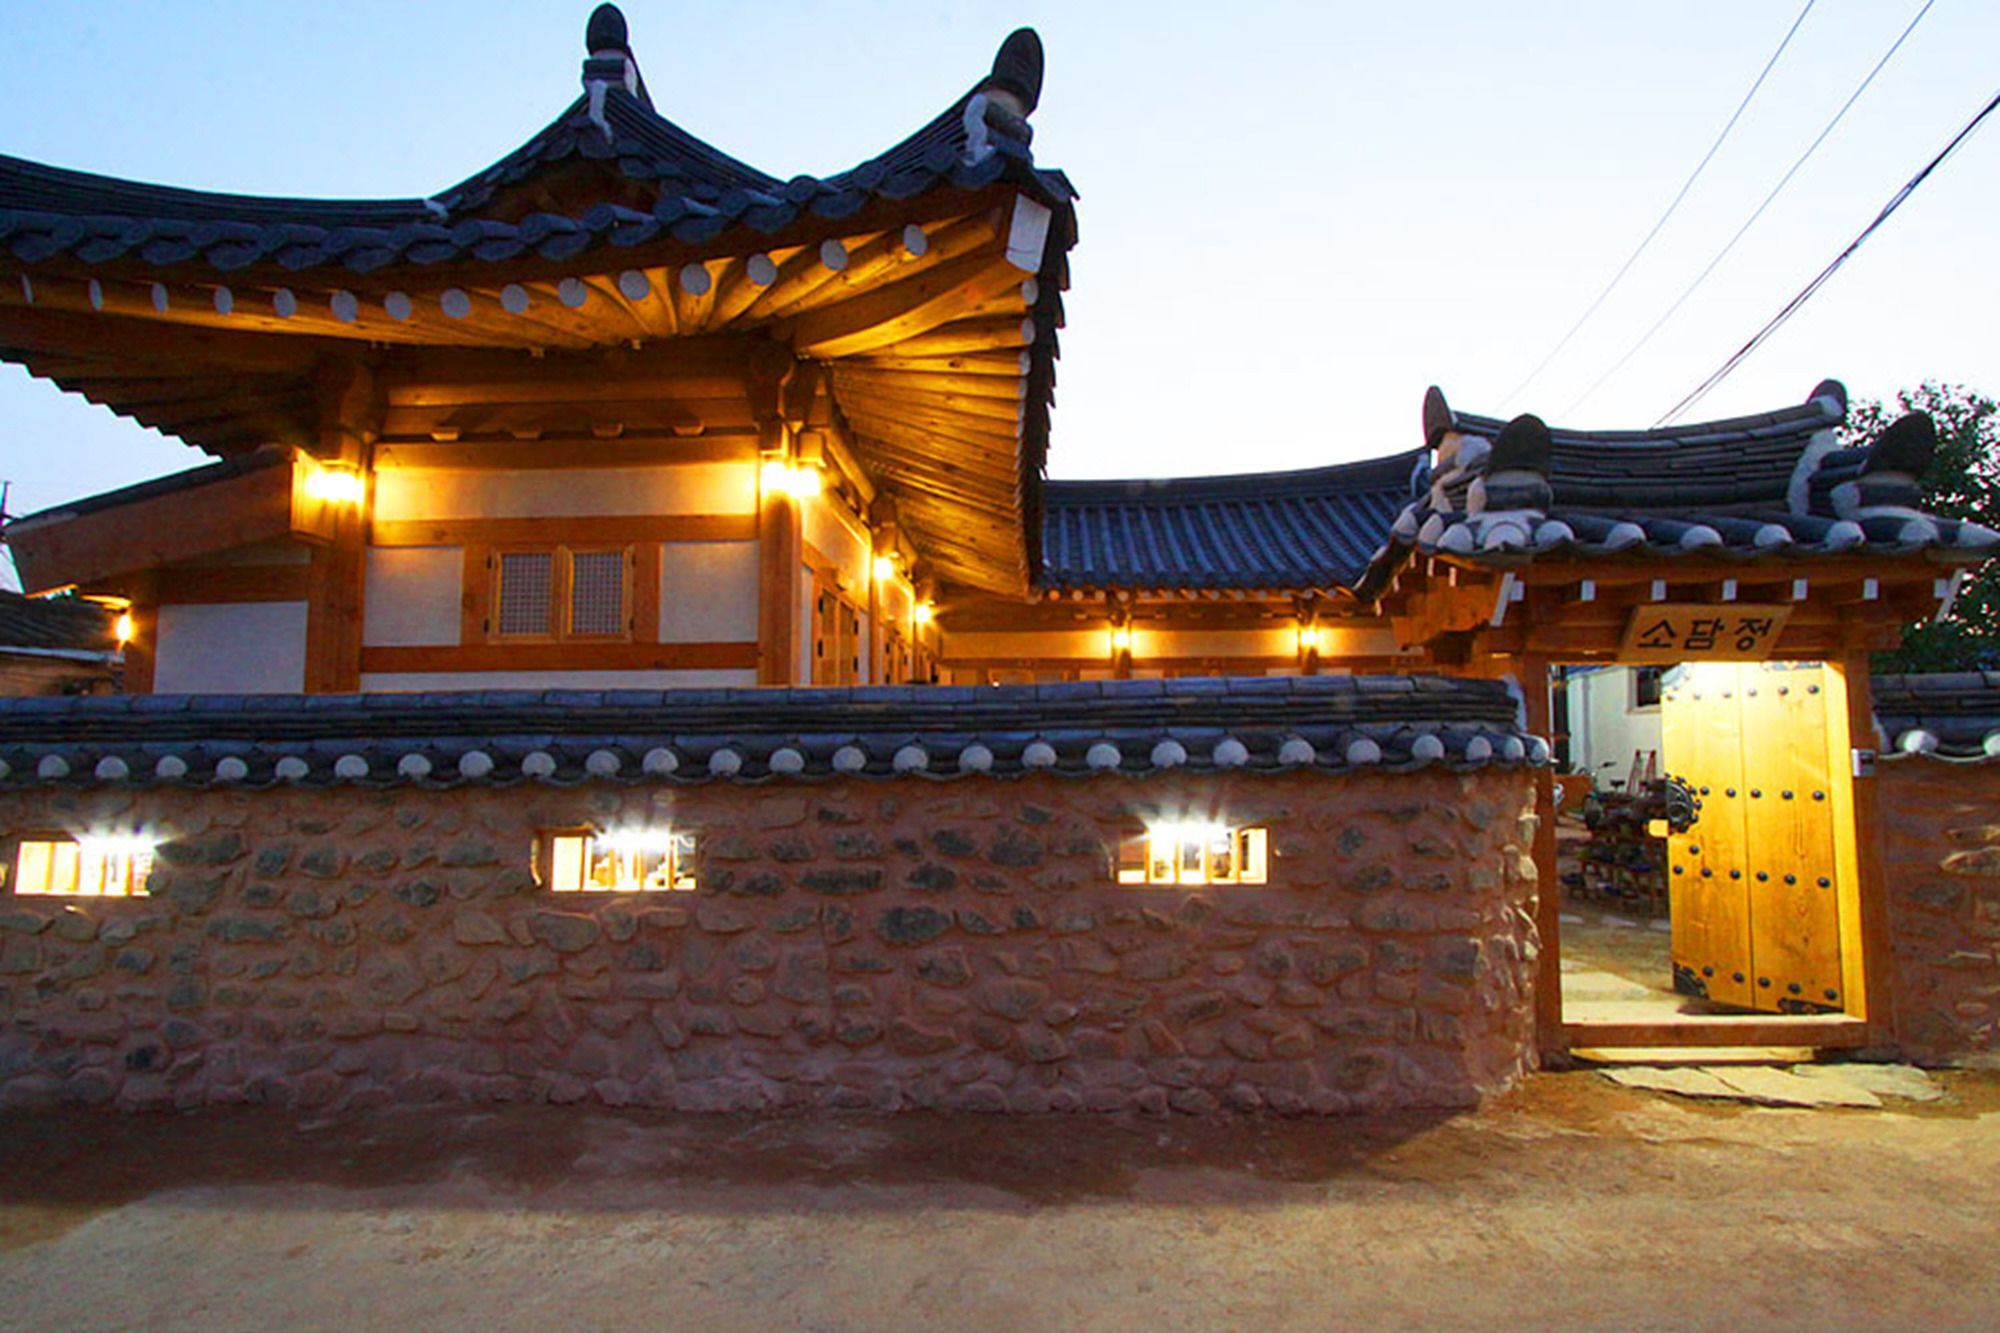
pixel 1807 1085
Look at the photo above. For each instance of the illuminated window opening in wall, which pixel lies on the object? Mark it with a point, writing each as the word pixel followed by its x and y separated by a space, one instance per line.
pixel 109 867
pixel 627 861
pixel 1188 853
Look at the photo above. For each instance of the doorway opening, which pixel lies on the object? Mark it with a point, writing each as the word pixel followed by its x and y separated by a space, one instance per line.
pixel 1705 849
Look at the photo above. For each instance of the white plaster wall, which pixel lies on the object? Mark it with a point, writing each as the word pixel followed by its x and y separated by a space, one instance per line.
pixel 230 648
pixel 411 598
pixel 708 592
pixel 681 488
pixel 717 678
pixel 1604 726
pixel 829 531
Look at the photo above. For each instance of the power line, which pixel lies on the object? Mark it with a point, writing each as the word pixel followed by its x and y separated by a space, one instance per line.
pixel 1687 185
pixel 1776 190
pixel 1792 306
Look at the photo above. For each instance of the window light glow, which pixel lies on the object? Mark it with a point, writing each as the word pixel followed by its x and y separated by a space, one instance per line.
pixel 781 478
pixel 620 861
pixel 336 485
pixel 100 866
pixel 1193 852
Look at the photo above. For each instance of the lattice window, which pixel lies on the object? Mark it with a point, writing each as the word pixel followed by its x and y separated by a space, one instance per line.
pixel 556 592
pixel 624 861
pixel 83 867
pixel 527 595
pixel 597 593
pixel 1190 853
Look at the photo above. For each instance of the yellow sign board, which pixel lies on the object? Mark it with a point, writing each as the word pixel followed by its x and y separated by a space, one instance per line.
pixel 1680 632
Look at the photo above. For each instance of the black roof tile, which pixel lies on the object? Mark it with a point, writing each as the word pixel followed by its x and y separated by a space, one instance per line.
pixel 126 738
pixel 60 624
pixel 1314 528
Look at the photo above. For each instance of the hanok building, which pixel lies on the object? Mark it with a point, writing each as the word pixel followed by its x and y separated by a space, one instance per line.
pixel 451 763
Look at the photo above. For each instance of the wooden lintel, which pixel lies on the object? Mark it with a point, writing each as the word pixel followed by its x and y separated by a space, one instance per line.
pixel 564 452
pixel 611 528
pixel 1824 1031
pixel 562 657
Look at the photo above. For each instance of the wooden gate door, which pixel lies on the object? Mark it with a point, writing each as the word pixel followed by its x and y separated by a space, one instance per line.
pixel 1752 885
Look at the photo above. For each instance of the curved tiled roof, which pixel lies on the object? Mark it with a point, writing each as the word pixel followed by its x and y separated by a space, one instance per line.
pixel 698 194
pixel 1947 715
pixel 1775 484
pixel 55 624
pixel 1314 528
pixel 1266 724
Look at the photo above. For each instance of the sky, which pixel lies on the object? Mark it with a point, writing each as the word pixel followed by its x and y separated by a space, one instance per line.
pixel 1294 217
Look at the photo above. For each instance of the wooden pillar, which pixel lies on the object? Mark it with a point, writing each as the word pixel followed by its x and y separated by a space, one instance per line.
pixel 780 581
pixel 349 418
pixel 142 649
pixel 1549 1039
pixel 1867 965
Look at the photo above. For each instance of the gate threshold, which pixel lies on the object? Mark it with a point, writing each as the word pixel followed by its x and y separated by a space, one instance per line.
pixel 1818 1031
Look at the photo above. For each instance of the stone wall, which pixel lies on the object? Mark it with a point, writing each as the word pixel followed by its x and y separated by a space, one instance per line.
pixel 854 944
pixel 1941 860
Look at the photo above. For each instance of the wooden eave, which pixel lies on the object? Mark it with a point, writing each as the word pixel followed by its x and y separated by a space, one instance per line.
pixel 928 329
pixel 94 547
pixel 1577 610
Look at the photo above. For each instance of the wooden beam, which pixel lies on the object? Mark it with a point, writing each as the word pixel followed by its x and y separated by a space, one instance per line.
pixel 563 452
pixel 914 305
pixel 608 529
pixel 233 583
pixel 1549 1034
pixel 1824 1031
pixel 349 414
pixel 147 534
pixel 780 578
pixel 573 656
pixel 1868 963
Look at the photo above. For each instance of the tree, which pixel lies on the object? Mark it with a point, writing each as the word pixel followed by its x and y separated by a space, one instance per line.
pixel 1963 482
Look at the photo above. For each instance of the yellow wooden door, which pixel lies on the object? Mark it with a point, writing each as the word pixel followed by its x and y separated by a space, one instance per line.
pixel 1751 885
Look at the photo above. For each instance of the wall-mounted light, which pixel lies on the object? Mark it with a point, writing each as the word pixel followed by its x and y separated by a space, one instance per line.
pixel 923 613
pixel 1121 640
pixel 123 628
pixel 335 485
pixel 782 478
pixel 1314 639
pixel 885 568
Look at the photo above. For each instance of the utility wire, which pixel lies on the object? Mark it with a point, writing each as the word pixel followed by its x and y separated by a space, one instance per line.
pixel 1792 306
pixel 1776 190
pixel 1687 185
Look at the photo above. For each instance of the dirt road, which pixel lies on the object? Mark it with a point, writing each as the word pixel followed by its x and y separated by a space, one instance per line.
pixel 1572 1203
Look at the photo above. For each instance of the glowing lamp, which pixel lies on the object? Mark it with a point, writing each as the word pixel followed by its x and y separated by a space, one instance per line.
pixel 781 478
pixel 1121 640
pixel 923 613
pixel 331 485
pixel 123 627
pixel 1315 640
pixel 885 568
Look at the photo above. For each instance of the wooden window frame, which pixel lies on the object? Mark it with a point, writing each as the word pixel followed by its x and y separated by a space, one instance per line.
pixel 681 857
pixel 1141 858
pixel 562 588
pixel 137 879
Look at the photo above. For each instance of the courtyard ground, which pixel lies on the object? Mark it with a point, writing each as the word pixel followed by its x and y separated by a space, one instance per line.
pixel 1571 1202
